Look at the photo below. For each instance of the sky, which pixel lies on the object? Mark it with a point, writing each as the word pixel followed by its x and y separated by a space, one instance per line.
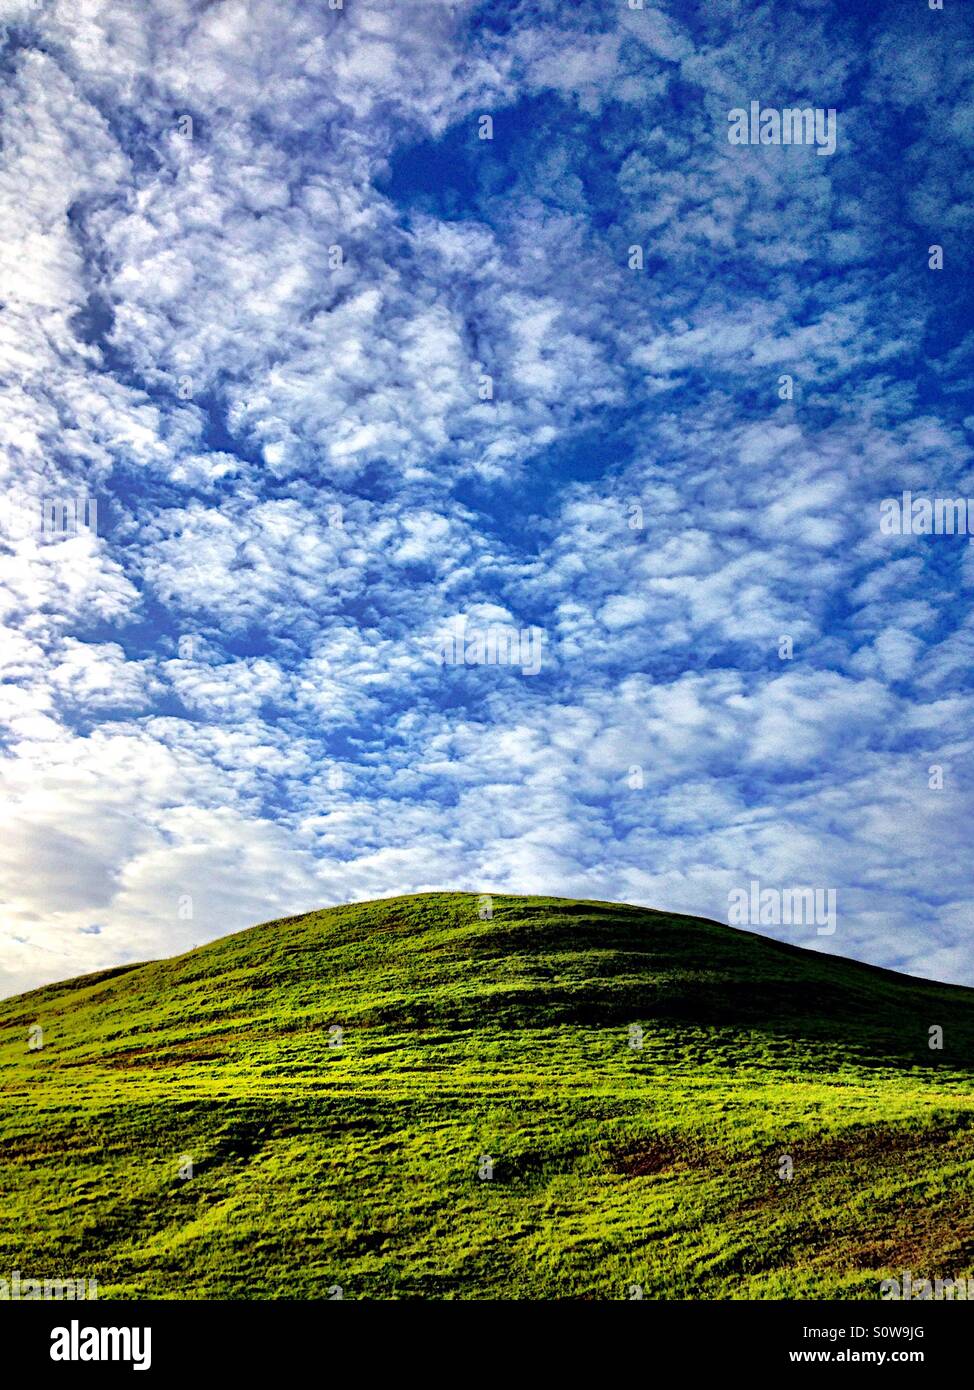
pixel 366 327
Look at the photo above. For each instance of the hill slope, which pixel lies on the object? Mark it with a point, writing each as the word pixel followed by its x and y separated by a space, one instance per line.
pixel 336 1083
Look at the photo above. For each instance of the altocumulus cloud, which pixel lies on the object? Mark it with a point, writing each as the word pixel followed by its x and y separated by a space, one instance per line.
pixel 338 369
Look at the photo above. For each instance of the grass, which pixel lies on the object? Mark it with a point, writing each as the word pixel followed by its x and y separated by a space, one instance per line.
pixel 323 1160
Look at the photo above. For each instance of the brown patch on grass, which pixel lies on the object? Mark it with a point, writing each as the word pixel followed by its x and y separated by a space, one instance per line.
pixel 662 1154
pixel 173 1053
pixel 867 1143
pixel 930 1242
pixel 929 1233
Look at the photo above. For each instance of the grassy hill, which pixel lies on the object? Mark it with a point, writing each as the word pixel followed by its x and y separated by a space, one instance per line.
pixel 322 1158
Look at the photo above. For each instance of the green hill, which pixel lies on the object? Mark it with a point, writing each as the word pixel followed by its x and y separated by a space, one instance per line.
pixel 636 1080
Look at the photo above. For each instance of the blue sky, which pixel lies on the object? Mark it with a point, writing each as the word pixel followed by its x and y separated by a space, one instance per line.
pixel 227 705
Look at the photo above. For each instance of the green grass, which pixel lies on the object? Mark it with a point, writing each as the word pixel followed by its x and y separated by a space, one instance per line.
pixel 316 1165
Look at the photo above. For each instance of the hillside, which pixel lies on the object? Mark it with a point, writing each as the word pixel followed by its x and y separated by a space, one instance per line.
pixel 353 1158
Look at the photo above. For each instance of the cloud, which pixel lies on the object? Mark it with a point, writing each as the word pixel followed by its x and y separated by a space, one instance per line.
pixel 337 371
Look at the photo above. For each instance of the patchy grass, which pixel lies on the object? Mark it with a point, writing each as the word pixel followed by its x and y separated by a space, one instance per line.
pixel 316 1165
